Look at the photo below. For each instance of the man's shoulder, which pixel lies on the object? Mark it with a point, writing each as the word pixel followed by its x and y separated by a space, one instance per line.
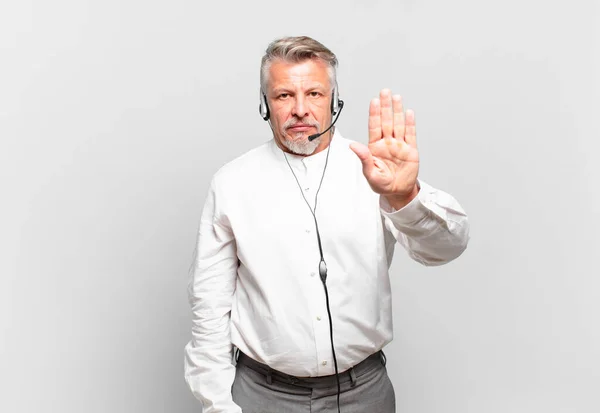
pixel 342 145
pixel 342 141
pixel 246 164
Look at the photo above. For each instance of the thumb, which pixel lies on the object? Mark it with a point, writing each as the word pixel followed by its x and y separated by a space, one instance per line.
pixel 364 154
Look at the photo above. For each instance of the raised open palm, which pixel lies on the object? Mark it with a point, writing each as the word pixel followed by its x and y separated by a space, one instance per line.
pixel 391 161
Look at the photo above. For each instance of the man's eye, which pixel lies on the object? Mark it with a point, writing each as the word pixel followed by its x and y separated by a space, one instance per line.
pixel 284 95
pixel 315 94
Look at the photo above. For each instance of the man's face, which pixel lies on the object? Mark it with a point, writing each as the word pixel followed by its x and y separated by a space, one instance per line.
pixel 299 97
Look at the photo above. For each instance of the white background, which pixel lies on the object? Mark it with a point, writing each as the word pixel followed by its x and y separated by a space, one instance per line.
pixel 115 114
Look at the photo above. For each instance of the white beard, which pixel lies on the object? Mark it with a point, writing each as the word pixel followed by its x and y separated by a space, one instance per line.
pixel 302 146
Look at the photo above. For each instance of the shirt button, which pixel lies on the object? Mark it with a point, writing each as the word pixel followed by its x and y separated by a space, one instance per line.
pixel 308 231
pixel 307 188
pixel 312 274
pixel 324 363
pixel 318 318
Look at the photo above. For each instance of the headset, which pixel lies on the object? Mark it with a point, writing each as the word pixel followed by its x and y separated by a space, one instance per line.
pixel 265 113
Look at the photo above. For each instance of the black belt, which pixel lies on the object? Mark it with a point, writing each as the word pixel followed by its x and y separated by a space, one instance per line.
pixel 370 363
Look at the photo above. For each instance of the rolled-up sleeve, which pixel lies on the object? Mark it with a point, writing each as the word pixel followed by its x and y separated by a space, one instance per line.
pixel 433 227
pixel 209 370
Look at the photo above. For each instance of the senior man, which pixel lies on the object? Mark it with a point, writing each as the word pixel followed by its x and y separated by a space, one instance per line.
pixel 294 245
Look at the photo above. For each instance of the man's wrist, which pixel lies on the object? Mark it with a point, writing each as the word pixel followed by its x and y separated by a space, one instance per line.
pixel 400 201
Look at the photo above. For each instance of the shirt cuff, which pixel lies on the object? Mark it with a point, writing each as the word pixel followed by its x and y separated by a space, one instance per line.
pixel 412 212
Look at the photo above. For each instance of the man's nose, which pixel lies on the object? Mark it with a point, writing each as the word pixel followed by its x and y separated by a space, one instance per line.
pixel 300 108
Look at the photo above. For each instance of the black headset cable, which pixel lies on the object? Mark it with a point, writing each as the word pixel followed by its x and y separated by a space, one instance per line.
pixel 322 265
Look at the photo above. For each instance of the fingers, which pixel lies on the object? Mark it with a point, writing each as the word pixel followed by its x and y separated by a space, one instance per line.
pixel 410 135
pixel 374 121
pixel 387 119
pixel 399 121
pixel 387 113
pixel 365 157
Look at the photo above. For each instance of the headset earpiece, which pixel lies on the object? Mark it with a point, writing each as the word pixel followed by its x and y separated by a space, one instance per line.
pixel 335 101
pixel 263 108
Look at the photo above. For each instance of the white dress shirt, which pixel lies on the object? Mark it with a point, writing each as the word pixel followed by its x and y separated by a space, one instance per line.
pixel 254 279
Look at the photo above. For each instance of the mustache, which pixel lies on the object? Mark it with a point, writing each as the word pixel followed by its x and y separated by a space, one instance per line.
pixel 296 122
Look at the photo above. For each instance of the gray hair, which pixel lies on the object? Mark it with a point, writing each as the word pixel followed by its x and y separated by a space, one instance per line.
pixel 296 50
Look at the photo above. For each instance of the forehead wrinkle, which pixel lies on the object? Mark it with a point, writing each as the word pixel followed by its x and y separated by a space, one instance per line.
pixel 299 76
pixel 299 85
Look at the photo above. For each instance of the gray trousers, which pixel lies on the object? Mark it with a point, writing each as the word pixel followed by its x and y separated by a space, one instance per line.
pixel 364 388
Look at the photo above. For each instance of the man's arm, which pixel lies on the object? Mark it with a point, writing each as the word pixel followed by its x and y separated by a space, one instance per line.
pixel 429 223
pixel 432 227
pixel 208 356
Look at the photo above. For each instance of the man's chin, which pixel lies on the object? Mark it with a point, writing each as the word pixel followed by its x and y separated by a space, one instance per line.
pixel 302 146
pixel 298 136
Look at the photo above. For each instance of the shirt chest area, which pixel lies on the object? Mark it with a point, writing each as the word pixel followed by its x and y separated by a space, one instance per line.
pixel 287 206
